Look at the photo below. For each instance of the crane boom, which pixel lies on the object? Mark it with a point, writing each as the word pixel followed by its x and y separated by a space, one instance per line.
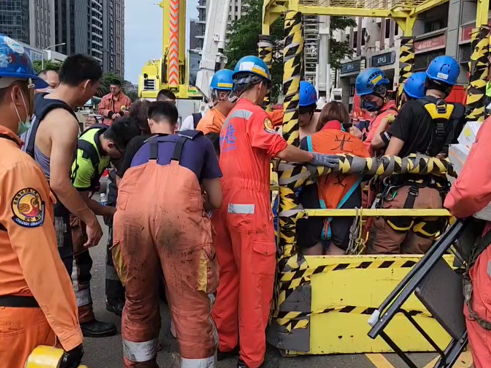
pixel 212 57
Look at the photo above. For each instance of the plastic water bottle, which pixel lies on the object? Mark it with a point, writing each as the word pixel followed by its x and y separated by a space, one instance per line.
pixel 103 200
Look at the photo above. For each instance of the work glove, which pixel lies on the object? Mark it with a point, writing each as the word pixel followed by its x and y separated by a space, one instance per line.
pixel 330 161
pixel 72 358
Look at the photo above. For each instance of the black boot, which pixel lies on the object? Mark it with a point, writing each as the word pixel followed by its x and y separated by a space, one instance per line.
pixel 221 355
pixel 95 328
pixel 115 306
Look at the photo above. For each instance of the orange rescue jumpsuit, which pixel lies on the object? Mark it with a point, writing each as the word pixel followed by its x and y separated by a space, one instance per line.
pixel 245 242
pixel 31 271
pixel 470 193
pixel 389 108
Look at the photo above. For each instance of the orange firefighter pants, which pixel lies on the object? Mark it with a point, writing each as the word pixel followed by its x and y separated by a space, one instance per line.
pixel 413 236
pixel 21 331
pixel 480 338
pixel 165 230
pixel 246 251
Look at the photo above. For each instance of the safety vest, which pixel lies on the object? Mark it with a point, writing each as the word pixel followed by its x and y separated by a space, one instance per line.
pixel 445 117
pixel 336 188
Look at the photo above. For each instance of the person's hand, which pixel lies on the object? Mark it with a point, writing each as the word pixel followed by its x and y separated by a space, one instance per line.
pixel 355 132
pixel 115 116
pixel 330 161
pixel 72 358
pixel 94 233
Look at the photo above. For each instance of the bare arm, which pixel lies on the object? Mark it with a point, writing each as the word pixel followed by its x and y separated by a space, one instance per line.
pixel 63 130
pixel 213 189
pixel 395 147
pixel 96 207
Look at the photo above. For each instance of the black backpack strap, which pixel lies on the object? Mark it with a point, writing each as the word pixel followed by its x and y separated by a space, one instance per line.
pixel 176 156
pixel 196 119
pixel 40 114
pixel 190 134
pixel 90 152
pixel 154 150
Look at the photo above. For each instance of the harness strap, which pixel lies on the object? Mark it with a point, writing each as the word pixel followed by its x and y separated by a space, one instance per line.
pixel 176 156
pixel 154 150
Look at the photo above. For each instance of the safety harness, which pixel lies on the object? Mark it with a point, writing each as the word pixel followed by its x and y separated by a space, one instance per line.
pixel 181 140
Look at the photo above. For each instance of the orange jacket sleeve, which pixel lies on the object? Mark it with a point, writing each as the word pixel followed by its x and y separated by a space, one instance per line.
pixel 33 239
pixel 276 117
pixel 374 126
pixel 207 124
pixel 103 106
pixel 263 135
pixel 471 192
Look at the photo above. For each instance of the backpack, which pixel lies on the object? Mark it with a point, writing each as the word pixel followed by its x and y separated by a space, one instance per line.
pixel 197 116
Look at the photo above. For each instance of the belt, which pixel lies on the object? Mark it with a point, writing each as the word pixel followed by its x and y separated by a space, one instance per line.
pixel 16 301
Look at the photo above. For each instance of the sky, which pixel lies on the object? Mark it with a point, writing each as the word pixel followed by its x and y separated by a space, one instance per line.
pixel 143 33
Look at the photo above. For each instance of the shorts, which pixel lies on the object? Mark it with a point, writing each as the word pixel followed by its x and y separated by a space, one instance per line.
pixel 309 230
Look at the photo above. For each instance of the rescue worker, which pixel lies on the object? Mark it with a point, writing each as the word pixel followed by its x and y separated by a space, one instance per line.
pixel 52 141
pixel 161 226
pixel 97 146
pixel 245 241
pixel 319 235
pixel 220 87
pixel 372 86
pixel 308 118
pixel 423 126
pixel 470 193
pixel 414 89
pixel 37 303
pixel 115 104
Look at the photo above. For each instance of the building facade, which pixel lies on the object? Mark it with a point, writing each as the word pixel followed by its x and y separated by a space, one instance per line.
pixel 29 21
pixel 236 10
pixel 443 30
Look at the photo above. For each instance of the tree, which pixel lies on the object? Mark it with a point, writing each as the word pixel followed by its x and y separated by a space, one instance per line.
pixel 48 65
pixel 245 35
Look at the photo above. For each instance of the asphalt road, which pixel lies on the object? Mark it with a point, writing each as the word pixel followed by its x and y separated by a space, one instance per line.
pixel 107 352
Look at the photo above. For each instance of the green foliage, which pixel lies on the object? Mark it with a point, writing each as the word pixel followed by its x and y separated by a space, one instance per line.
pixel 48 65
pixel 133 95
pixel 245 36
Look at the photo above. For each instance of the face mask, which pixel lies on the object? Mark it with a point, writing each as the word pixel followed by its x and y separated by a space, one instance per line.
pixel 24 125
pixel 371 106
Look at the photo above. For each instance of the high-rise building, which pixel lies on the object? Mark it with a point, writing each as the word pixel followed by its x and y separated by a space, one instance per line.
pixel 31 22
pixel 113 11
pixel 236 10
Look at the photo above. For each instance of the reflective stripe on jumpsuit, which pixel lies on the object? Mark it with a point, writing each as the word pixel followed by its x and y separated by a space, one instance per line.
pixel 165 229
pixel 246 251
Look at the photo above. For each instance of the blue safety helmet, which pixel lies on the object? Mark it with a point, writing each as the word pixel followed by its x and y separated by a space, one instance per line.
pixel 415 85
pixel 14 62
pixel 368 81
pixel 308 94
pixel 222 80
pixel 252 65
pixel 444 69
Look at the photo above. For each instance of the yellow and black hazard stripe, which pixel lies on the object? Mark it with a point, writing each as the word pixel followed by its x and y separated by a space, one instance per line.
pixel 478 66
pixel 406 64
pixel 265 49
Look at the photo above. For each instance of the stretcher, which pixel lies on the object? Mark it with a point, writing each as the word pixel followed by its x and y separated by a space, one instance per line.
pixel 46 357
pixel 322 304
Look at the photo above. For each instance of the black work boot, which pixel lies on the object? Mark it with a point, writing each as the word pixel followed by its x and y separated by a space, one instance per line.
pixel 115 306
pixel 221 355
pixel 96 328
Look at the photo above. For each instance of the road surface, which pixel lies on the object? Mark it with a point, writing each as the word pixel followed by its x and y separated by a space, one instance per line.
pixel 107 352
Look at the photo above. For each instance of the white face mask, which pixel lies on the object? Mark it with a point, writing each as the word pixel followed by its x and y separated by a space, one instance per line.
pixel 24 125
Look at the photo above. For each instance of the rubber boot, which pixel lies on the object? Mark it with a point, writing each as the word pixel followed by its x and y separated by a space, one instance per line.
pixel 115 306
pixel 96 328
